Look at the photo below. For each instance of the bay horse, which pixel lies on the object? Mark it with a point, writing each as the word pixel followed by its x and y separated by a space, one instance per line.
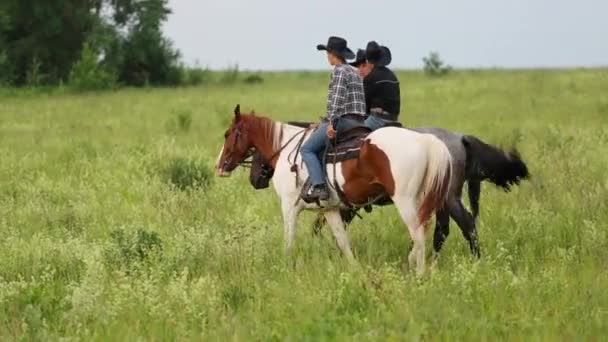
pixel 473 161
pixel 413 169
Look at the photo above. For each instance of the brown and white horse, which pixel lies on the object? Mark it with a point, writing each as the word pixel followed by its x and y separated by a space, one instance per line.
pixel 414 169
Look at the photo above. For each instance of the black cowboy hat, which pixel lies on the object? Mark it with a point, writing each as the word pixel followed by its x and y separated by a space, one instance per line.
pixel 338 46
pixel 378 55
pixel 361 57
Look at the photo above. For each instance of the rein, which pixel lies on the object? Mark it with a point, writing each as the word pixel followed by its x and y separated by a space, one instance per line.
pixel 274 155
pixel 294 164
pixel 247 161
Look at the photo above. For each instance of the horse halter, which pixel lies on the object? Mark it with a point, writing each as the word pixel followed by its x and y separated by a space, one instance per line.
pixel 248 159
pixel 248 154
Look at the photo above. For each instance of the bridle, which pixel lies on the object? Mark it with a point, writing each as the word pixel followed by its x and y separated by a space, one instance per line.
pixel 247 160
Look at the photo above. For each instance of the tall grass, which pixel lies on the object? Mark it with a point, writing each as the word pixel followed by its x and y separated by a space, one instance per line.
pixel 99 240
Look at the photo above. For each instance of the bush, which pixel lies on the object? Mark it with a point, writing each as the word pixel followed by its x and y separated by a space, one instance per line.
pixel 197 76
pixel 176 76
pixel 434 66
pixel 187 174
pixel 180 122
pixel 34 76
pixel 253 79
pixel 129 248
pixel 147 58
pixel 184 120
pixel 230 75
pixel 87 74
pixel 5 70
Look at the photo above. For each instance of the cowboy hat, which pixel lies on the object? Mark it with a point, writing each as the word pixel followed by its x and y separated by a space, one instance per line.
pixel 360 58
pixel 377 54
pixel 337 46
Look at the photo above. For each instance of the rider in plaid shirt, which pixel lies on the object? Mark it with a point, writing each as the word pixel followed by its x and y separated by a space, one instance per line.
pixel 345 97
pixel 346 94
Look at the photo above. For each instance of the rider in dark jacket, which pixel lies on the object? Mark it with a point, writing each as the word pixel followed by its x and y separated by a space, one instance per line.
pixel 382 92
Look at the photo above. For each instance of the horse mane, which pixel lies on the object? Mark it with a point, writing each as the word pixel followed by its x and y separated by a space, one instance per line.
pixel 270 129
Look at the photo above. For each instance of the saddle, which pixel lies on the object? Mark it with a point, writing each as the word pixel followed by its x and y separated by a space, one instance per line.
pixel 348 143
pixel 346 146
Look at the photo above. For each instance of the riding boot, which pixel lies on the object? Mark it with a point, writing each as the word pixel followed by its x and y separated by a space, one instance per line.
pixel 317 192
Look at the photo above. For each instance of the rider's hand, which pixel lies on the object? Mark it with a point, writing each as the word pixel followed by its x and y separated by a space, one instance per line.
pixel 331 132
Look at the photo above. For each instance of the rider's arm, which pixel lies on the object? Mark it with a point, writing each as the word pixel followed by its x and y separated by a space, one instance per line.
pixel 368 87
pixel 337 93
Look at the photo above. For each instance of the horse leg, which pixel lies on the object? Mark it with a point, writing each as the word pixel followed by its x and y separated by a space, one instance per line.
pixel 407 210
pixel 347 217
pixel 337 227
pixel 466 223
pixel 442 230
pixel 290 215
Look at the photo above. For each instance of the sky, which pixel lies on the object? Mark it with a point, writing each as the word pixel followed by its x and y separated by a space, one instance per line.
pixel 283 34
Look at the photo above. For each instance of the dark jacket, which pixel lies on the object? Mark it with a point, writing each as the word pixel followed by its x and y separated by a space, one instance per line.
pixel 382 91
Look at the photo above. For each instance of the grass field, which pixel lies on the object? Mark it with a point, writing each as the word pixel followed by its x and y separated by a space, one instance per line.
pixel 102 237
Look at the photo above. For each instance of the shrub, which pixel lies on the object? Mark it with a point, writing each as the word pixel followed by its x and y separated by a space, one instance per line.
pixel 434 66
pixel 34 76
pixel 184 120
pixel 130 248
pixel 5 70
pixel 253 79
pixel 187 174
pixel 197 76
pixel 230 75
pixel 87 74
pixel 176 76
pixel 181 121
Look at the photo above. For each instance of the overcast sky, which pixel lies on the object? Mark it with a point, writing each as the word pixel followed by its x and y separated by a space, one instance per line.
pixel 282 34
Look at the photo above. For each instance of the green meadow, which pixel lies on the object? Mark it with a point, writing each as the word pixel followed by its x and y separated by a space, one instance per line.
pixel 113 225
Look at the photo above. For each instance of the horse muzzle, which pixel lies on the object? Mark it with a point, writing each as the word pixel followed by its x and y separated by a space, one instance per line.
pixel 220 172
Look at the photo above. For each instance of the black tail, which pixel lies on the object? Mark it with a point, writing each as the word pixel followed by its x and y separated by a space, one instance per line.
pixel 492 163
pixel 474 187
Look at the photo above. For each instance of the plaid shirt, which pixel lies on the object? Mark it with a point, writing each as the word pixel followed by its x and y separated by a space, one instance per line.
pixel 346 95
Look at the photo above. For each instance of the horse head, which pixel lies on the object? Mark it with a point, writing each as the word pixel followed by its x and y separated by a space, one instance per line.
pixel 237 144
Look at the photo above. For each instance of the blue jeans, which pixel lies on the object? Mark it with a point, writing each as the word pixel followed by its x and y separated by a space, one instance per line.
pixel 311 149
pixel 374 122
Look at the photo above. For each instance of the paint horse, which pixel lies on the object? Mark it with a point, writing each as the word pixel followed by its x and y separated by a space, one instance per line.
pixel 473 161
pixel 413 169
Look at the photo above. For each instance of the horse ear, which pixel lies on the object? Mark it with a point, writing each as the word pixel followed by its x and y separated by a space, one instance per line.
pixel 237 112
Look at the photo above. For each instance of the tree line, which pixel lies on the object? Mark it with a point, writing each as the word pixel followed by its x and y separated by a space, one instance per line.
pixel 86 43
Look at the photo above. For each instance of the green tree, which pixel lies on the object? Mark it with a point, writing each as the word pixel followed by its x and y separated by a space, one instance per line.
pixel 143 55
pixel 88 74
pixel 6 71
pixel 41 41
pixel 434 66
pixel 46 36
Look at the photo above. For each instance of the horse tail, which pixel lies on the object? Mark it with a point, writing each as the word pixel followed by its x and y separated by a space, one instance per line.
pixel 489 162
pixel 437 178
